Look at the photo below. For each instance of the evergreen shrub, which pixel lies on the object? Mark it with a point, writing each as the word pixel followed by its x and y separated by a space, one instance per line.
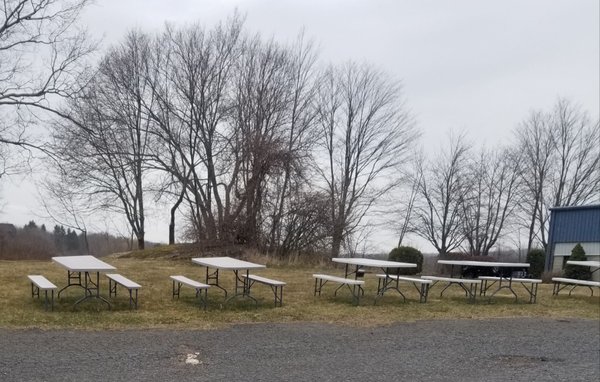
pixel 536 259
pixel 406 255
pixel 577 271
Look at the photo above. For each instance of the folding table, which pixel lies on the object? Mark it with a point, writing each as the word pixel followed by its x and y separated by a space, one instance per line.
pixel 228 263
pixel 76 265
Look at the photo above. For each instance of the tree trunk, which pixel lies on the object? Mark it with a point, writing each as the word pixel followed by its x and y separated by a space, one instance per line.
pixel 140 240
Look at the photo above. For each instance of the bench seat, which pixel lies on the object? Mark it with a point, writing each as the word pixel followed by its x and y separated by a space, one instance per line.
pixel 38 283
pixel 385 280
pixel 532 289
pixel 276 286
pixel 131 286
pixel 470 291
pixel 355 286
pixel 574 283
pixel 179 281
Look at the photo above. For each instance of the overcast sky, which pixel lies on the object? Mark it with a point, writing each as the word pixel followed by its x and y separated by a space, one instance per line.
pixel 474 66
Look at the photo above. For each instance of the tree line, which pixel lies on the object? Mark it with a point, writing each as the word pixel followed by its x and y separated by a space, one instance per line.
pixel 258 142
pixel 35 242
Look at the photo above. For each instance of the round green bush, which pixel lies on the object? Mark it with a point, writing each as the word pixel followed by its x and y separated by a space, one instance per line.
pixel 577 271
pixel 536 259
pixel 406 255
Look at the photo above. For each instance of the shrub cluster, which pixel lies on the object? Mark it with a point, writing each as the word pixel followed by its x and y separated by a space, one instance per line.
pixel 406 255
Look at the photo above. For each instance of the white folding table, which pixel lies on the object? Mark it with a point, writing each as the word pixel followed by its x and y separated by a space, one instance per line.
pixel 490 264
pixel 240 268
pixel 384 265
pixel 586 263
pixel 76 265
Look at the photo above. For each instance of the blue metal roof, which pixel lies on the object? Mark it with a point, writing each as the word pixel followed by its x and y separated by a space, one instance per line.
pixel 575 224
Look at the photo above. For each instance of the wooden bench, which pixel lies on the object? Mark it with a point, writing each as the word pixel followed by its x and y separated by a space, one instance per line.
pixel 198 287
pixel 115 279
pixel 422 287
pixel 39 282
pixel 532 289
pixel 355 286
pixel 471 291
pixel 276 286
pixel 572 282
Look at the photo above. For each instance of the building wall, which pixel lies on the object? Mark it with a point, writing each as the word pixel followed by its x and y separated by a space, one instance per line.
pixel 569 226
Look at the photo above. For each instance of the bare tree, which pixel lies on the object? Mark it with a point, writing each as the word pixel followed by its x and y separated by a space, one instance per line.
pixel 366 136
pixel 103 145
pixel 438 213
pixel 299 128
pixel 535 143
pixel 261 104
pixel 403 207
pixel 490 198
pixel 190 117
pixel 561 164
pixel 305 225
pixel 41 61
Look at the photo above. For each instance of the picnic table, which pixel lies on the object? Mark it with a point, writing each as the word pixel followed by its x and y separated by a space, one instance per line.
pixel 353 266
pixel 241 270
pixel 87 266
pixel 504 276
pixel 359 262
pixel 562 282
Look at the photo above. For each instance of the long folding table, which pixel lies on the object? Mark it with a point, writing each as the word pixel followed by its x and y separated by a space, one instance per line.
pixel 86 266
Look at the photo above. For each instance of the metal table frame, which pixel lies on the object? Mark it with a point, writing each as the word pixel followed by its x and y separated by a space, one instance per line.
pixel 86 265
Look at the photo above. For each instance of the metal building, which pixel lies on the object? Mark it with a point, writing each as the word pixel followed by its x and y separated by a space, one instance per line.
pixel 569 226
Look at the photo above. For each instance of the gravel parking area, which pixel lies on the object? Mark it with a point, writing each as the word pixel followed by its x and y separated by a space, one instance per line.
pixel 465 350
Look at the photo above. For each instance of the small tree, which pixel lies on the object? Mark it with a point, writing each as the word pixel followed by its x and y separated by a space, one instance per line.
pixel 577 271
pixel 536 259
pixel 406 255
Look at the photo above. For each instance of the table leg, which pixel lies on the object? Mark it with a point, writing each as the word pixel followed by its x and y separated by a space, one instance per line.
pixel 509 287
pixel 242 285
pixel 73 279
pixel 213 280
pixel 91 286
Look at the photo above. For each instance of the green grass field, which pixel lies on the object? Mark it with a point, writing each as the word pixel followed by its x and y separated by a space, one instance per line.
pixel 157 309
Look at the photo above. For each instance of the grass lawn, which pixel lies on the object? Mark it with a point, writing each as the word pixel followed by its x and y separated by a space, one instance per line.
pixel 158 310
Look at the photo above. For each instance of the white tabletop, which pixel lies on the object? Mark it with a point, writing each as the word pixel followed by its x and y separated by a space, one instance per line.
pixel 226 263
pixel 372 262
pixel 83 263
pixel 492 264
pixel 586 263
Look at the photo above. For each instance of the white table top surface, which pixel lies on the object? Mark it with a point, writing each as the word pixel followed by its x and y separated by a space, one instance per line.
pixel 587 263
pixel 484 263
pixel 83 263
pixel 226 263
pixel 372 262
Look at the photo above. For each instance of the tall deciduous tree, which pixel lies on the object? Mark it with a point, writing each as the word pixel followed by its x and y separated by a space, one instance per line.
pixel 490 198
pixel 103 146
pixel 366 133
pixel 438 213
pixel 190 117
pixel 561 165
